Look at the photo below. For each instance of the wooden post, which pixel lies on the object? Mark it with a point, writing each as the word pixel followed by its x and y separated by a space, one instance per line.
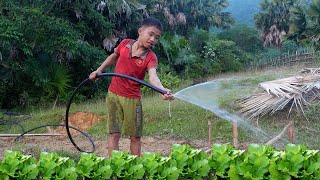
pixel 209 134
pixel 235 134
pixel 291 133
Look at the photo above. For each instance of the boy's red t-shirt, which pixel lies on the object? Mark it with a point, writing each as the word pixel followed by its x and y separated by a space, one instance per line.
pixel 132 66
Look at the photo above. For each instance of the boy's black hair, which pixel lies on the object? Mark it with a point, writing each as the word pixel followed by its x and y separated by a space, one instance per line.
pixel 151 22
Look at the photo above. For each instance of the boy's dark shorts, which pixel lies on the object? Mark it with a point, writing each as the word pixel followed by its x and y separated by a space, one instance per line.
pixel 124 115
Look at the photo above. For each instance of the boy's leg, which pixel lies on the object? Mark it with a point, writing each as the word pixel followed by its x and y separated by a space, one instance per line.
pixel 124 113
pixel 135 146
pixel 115 119
pixel 113 142
pixel 133 118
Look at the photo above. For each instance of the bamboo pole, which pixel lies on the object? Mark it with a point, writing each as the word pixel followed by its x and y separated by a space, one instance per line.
pixel 17 135
pixel 273 140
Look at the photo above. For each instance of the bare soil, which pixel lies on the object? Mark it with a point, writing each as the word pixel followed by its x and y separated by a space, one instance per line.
pixel 34 144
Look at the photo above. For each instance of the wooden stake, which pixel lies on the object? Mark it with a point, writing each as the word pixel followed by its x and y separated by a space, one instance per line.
pixel 291 128
pixel 209 134
pixel 235 134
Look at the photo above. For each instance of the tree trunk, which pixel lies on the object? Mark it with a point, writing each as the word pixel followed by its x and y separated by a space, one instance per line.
pixel 55 103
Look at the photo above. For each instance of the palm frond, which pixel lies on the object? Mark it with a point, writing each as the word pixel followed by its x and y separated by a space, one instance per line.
pixel 110 42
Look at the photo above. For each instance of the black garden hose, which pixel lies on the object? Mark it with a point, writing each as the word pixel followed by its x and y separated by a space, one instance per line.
pixel 88 80
pixel 55 125
pixel 14 121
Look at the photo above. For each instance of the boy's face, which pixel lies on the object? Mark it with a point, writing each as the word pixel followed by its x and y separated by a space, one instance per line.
pixel 149 36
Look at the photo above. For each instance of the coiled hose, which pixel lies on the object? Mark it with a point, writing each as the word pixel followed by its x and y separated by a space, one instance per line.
pixel 80 86
pixel 66 125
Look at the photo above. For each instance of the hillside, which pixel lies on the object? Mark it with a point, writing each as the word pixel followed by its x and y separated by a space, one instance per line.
pixel 243 11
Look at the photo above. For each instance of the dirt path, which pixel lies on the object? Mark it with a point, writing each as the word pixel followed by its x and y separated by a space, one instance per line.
pixel 34 145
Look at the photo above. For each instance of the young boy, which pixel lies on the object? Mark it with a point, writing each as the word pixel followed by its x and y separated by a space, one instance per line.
pixel 134 58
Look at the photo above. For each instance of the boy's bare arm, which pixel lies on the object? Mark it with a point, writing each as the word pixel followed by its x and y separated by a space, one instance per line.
pixel 108 62
pixel 154 80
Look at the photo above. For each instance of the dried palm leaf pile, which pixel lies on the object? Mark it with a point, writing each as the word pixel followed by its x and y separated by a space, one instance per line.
pixel 284 94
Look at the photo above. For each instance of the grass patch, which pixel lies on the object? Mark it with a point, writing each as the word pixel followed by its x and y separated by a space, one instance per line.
pixel 181 123
pixel 99 130
pixel 14 123
pixel 187 121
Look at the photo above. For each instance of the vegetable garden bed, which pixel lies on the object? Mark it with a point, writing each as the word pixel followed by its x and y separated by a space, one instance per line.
pixel 184 162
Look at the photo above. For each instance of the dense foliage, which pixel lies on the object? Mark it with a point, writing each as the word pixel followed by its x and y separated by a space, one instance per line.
pixel 48 47
pixel 305 23
pixel 41 43
pixel 292 19
pixel 184 162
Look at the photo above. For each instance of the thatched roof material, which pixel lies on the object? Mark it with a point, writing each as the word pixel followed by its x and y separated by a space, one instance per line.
pixel 298 91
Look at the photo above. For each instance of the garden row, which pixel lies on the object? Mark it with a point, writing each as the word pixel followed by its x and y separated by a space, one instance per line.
pixel 184 162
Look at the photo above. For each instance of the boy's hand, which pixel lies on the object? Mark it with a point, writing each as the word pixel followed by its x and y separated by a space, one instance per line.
pixel 168 95
pixel 93 75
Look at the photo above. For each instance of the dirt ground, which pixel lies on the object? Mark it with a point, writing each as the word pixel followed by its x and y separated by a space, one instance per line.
pixel 34 144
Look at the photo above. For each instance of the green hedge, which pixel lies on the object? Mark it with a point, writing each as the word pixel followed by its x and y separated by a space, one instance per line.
pixel 184 162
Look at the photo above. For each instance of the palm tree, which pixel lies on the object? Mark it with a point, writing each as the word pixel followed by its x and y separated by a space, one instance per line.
pixel 183 15
pixel 273 21
pixel 209 13
pixel 59 82
pixel 124 15
pixel 305 23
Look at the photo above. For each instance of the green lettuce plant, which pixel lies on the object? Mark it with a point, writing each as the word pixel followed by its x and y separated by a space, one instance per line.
pixel 16 165
pixel 53 166
pixel 94 167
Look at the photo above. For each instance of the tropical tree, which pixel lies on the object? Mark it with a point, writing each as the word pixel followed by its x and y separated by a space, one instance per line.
pixel 177 52
pixel 246 37
pixel 24 34
pixel 33 31
pixel 223 54
pixel 72 37
pixel 305 23
pixel 52 79
pixel 125 16
pixel 181 16
pixel 273 21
